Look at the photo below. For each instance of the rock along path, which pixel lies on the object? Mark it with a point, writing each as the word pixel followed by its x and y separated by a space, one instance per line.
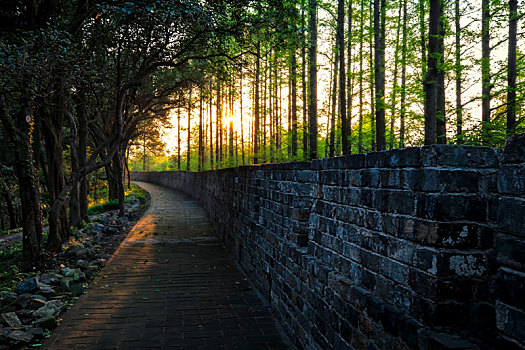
pixel 170 285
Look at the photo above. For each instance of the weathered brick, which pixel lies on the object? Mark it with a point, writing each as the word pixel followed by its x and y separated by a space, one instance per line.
pixel 511 215
pixel 514 151
pixel 301 214
pixel 464 235
pixel 377 159
pixel 330 177
pixel 510 287
pixel 510 251
pixel 510 321
pixel 467 156
pixel 355 161
pixel 407 157
pixel 452 207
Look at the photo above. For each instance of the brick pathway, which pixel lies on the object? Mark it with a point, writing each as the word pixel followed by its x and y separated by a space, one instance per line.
pixel 170 285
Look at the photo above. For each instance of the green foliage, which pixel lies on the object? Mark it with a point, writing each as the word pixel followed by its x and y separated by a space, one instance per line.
pixel 10 265
pixel 135 193
pixel 492 134
pixel 153 163
pixel 74 231
pixel 102 207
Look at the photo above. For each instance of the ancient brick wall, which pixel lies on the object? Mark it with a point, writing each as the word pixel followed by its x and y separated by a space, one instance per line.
pixel 508 215
pixel 420 247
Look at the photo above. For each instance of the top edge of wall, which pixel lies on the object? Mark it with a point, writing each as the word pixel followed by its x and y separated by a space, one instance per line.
pixel 413 157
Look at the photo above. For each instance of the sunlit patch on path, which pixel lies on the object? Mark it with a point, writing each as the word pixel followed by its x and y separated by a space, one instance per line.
pixel 170 285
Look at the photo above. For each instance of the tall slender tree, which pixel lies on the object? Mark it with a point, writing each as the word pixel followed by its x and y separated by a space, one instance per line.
pixel 435 64
pixel 379 67
pixel 511 77
pixel 372 78
pixel 303 81
pixel 403 78
pixel 458 75
pixel 218 125
pixel 178 139
pixel 201 141
pixel 230 148
pixel 340 38
pixel 441 122
pixel 361 102
pixel 210 104
pixel 333 96
pixel 486 86
pixel 349 78
pixel 293 92
pixel 312 105
pixel 242 116
pixel 256 105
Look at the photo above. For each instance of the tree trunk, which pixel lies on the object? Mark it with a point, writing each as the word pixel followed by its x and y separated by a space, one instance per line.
pixel 118 127
pixel 20 134
pixel 242 117
pixel 432 76
pixel 201 144
pixel 277 102
pixel 82 156
pixel 334 102
pixel 361 40
pixel 403 78
pixel 511 78
pixel 312 108
pixel 372 78
pixel 303 81
pixel 264 110
pixel 441 122
pixel 29 196
pixel 211 126
pixel 256 105
pixel 379 67
pixel 53 120
pixel 118 165
pixel 485 61
pixel 339 73
pixel 231 160
pixel 293 83
pixel 345 109
pixel 74 204
pixel 144 143
pixel 128 173
pixel 458 77
pixel 111 180
pixel 10 208
pixel 178 140
pixel 272 110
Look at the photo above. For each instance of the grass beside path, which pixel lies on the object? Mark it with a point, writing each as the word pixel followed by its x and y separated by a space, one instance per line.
pixel 104 205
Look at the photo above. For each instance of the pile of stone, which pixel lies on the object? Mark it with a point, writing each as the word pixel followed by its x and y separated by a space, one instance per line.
pixel 33 309
pixel 37 302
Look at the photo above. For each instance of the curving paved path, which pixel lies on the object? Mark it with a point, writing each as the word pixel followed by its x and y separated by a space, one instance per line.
pixel 170 285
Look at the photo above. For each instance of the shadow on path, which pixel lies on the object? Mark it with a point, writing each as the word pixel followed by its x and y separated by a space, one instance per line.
pixel 170 285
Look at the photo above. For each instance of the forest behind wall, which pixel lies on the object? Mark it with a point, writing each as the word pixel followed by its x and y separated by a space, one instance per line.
pixel 87 87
